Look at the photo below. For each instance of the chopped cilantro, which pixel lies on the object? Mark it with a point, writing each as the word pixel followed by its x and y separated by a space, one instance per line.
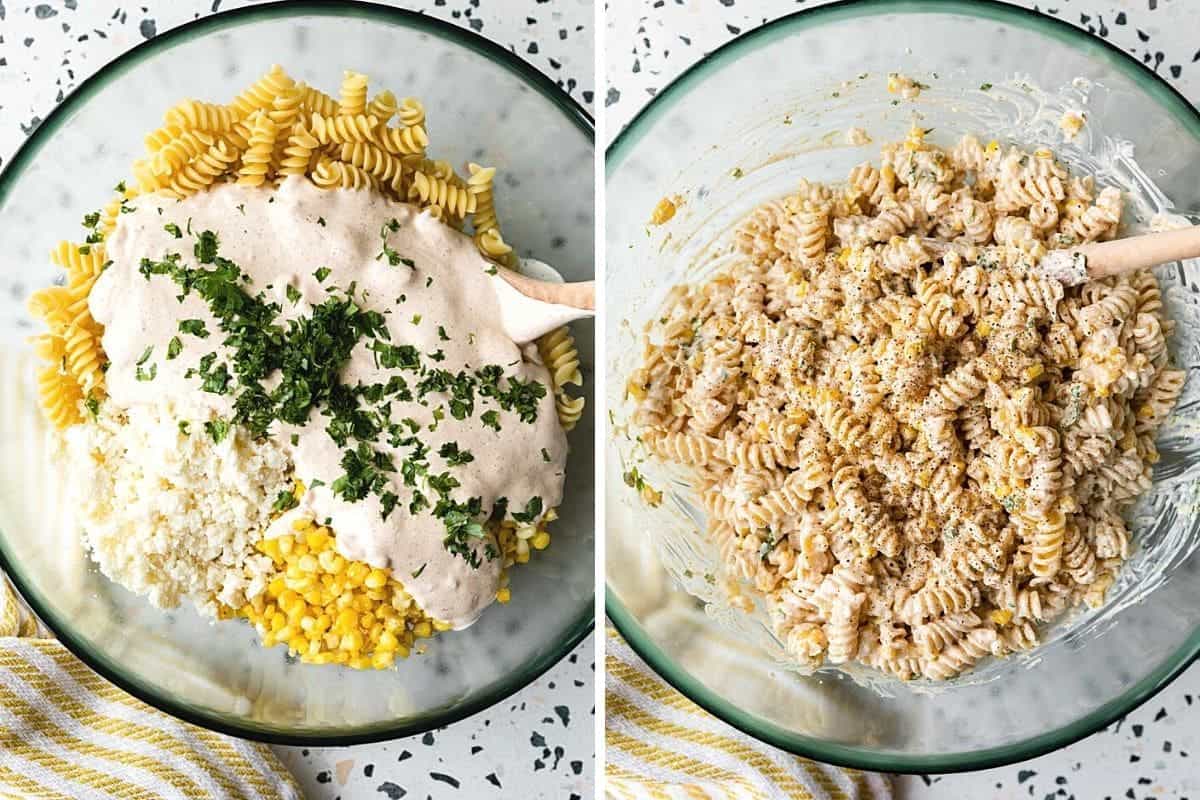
pixel 145 356
pixel 454 456
pixel 91 220
pixel 321 221
pixel 120 187
pixel 321 274
pixel 185 427
pixel 416 320
pixel 983 87
pixel 533 510
pixel 442 334
pixel 417 572
pixel 174 347
pixel 491 419
pixel 545 455
pixel 195 327
pixel 218 429
pixel 293 294
pixel 285 501
pixel 92 404
pixel 173 229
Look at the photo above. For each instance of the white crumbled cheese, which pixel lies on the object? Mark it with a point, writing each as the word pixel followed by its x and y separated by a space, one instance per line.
pixel 1071 124
pixel 169 514
pixel 857 137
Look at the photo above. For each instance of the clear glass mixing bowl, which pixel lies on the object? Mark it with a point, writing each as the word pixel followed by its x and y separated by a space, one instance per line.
pixel 743 126
pixel 485 105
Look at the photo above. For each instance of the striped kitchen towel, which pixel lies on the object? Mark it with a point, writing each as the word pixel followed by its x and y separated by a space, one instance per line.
pixel 662 746
pixel 67 733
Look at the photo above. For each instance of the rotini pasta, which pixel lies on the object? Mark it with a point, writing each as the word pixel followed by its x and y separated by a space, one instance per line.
pixel 896 424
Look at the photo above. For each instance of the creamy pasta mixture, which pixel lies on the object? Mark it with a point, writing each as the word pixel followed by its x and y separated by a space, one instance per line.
pixel 915 446
pixel 289 385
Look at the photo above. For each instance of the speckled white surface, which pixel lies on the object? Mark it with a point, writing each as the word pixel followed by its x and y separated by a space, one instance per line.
pixel 1155 751
pixel 538 743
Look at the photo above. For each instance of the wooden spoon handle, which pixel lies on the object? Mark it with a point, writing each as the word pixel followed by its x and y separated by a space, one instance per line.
pixel 575 295
pixel 1140 252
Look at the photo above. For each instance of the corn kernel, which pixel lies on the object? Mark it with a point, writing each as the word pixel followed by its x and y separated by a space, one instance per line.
pixel 503 595
pixel 1001 616
pixel 301 523
pixel 377 579
pixel 541 541
pixel 423 630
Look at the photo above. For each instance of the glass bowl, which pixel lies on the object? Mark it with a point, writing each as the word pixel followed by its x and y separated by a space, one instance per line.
pixel 484 104
pixel 744 125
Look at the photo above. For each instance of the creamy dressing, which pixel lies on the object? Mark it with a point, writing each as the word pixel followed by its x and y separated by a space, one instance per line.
pixel 276 238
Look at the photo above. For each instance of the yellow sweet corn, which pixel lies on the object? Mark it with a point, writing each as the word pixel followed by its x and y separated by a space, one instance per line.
pixel 1001 616
pixel 329 610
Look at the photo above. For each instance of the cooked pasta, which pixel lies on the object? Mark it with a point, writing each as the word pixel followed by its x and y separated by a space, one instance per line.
pixel 915 446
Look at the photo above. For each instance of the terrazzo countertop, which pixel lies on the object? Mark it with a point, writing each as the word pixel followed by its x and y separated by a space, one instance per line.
pixel 539 742
pixel 1155 751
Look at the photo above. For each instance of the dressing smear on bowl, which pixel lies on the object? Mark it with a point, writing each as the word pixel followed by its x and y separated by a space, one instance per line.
pixel 362 337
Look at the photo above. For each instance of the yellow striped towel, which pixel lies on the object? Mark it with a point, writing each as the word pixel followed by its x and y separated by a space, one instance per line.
pixel 67 733
pixel 662 746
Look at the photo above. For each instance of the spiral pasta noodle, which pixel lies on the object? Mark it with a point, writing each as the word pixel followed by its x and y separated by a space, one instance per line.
pixel 912 444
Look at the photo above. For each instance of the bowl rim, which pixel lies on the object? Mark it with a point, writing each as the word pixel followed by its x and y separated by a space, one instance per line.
pixel 577 629
pixel 624 621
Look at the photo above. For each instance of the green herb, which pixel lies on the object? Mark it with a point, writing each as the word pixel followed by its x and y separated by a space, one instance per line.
pixel 392 256
pixel 92 404
pixel 285 501
pixel 185 427
pixel 241 207
pixel 736 173
pixel 321 274
pixel 442 334
pixel 454 456
pixel 491 419
pixel 85 249
pixel 533 510
pixel 983 87
pixel 321 221
pixel 174 347
pixel 633 479
pixel 492 270
pixel 419 570
pixel 195 327
pixel 767 546
pixel 416 320
pixel 218 429
pixel 293 294
pixel 120 187
pixel 173 229
pixel 91 220
pixel 124 209
pixel 147 374
pixel 545 456
pixel 145 356
pixel 428 281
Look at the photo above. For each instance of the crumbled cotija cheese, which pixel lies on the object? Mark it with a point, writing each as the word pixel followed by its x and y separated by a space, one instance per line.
pixel 169 514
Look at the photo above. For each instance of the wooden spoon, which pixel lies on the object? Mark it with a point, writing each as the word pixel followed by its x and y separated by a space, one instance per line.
pixel 535 301
pixel 1090 262
pixel 580 295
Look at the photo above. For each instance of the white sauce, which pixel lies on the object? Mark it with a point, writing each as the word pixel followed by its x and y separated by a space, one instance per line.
pixel 280 243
